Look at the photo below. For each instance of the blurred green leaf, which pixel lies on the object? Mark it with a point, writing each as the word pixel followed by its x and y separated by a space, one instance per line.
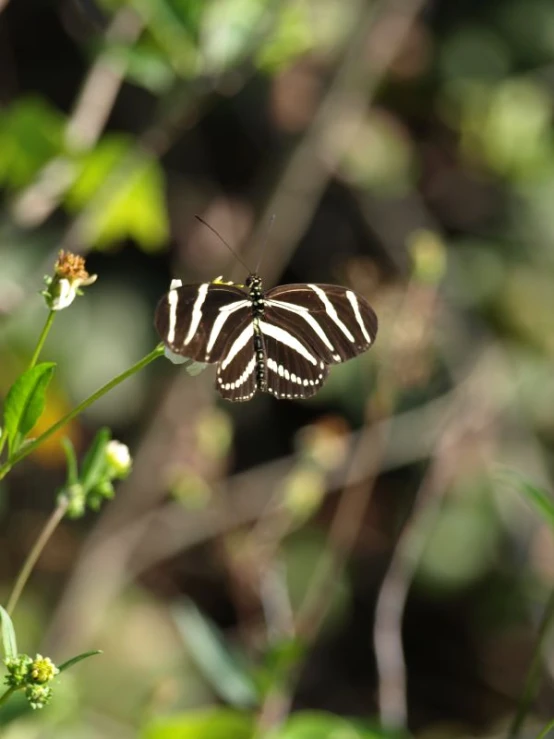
pixel 94 462
pixel 96 166
pixel 9 642
pixel 217 724
pixel 229 32
pixel 460 546
pixel 146 64
pixel 123 192
pixel 541 500
pixel 291 37
pixel 173 26
pixel 31 133
pixel 316 725
pixel 71 460
pixel 25 402
pixel 78 658
pixel 229 678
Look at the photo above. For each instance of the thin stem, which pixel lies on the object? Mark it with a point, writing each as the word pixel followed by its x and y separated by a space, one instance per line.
pixel 533 676
pixel 25 572
pixel 42 338
pixel 31 446
pixel 4 698
pixel 546 729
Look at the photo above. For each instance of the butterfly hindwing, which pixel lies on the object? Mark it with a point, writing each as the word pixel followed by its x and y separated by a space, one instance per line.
pixel 197 320
pixel 293 370
pixel 236 371
pixel 337 323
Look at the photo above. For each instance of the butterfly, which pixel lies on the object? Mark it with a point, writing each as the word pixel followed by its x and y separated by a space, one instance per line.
pixel 281 341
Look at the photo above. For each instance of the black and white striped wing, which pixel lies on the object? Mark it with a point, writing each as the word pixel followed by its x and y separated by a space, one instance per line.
pixel 334 323
pixel 236 371
pixel 293 369
pixel 198 321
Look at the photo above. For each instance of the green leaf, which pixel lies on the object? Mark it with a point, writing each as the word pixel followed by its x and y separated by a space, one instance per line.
pixel 146 64
pixel 31 133
pixel 541 500
pixel 78 658
pixel 217 663
pixel 319 725
pixel 94 463
pixel 71 458
pixel 217 724
pixel 230 31
pixel 8 635
pixel 122 190
pixel 25 403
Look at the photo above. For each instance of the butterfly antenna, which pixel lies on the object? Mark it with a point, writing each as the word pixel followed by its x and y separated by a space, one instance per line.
pixel 266 241
pixel 220 237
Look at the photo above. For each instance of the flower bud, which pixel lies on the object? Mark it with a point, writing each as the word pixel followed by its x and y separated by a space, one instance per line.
pixel 118 459
pixel 69 275
pixel 42 669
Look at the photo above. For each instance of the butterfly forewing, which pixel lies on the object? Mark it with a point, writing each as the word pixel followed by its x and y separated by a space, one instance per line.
pixel 335 322
pixel 196 321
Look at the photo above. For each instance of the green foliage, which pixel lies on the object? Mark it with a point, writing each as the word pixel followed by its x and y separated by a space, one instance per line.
pixel 216 724
pixel 316 725
pixel 31 134
pixel 79 658
pixel 538 498
pixel 92 470
pixel 105 461
pixel 225 670
pixel 122 190
pixel 224 724
pixel 25 403
pixel 9 642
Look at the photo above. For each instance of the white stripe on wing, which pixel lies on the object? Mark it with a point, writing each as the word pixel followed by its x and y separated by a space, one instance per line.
pixel 196 315
pixel 331 312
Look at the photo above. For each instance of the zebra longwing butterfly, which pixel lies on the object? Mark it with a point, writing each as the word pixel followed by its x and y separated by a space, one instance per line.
pixel 281 341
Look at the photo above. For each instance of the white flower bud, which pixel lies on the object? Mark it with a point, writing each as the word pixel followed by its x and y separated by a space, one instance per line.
pixel 118 458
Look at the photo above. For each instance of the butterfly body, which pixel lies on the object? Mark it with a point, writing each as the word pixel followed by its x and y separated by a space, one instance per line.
pixel 280 341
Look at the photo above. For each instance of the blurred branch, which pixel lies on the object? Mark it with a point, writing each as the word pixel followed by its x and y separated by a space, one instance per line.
pixel 312 164
pixel 85 124
pixel 470 412
pixel 533 676
pixel 133 536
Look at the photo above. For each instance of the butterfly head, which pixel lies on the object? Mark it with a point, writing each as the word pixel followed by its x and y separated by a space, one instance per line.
pixel 254 282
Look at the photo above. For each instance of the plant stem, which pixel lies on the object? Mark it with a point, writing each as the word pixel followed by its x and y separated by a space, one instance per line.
pixel 31 446
pixel 4 698
pixel 42 338
pixel 533 675
pixel 546 729
pixel 34 554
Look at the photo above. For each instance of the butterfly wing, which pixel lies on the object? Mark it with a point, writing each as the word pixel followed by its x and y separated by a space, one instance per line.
pixel 293 369
pixel 197 321
pixel 236 371
pixel 334 322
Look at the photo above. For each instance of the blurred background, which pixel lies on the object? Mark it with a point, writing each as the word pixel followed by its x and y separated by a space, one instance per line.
pixel 379 559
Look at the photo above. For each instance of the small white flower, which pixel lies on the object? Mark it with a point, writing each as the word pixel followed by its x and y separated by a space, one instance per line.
pixel 69 276
pixel 118 458
pixel 62 294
